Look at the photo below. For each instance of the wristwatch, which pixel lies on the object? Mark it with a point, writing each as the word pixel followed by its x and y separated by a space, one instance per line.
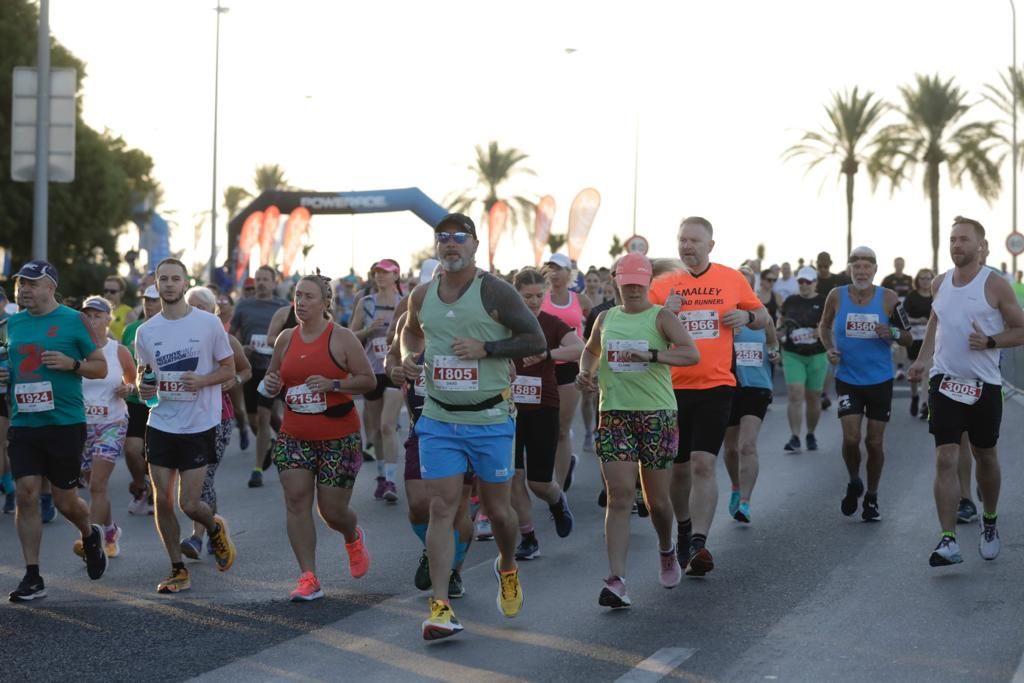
pixel 78 364
pixel 752 317
pixel 654 355
pixel 336 385
pixel 990 343
pixel 489 348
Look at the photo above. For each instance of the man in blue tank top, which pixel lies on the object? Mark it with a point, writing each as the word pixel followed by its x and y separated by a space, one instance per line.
pixel 859 323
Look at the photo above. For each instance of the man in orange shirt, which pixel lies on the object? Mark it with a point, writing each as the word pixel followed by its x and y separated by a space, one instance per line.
pixel 712 300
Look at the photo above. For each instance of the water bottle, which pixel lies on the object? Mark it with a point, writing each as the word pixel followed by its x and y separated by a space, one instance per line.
pixel 261 388
pixel 6 365
pixel 149 378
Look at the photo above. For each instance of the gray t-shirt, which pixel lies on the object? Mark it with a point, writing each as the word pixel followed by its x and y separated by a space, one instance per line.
pixel 251 319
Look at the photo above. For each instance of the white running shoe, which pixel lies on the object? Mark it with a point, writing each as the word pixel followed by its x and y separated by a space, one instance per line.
pixel 988 544
pixel 947 552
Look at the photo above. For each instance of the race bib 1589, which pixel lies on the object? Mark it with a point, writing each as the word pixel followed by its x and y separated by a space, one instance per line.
pixel 526 389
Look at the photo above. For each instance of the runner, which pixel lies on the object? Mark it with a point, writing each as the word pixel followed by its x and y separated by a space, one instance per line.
pixel 803 358
pixel 535 393
pixel 629 354
pixel 572 309
pixel 249 326
pixel 51 350
pixel 755 351
pixel 827 281
pixel 787 285
pixel 138 416
pixel 226 311
pixel 114 289
pixel 318 365
pixel 204 299
pixel 973 315
pixel 588 398
pixel 468 323
pixel 6 477
pixel 712 301
pixel 188 351
pixel 106 421
pixel 770 299
pixel 918 305
pixel 858 325
pixel 370 321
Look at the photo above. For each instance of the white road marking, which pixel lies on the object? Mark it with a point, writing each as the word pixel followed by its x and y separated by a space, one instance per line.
pixel 1018 675
pixel 657 666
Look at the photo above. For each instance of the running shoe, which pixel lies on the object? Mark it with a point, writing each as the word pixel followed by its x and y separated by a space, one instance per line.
pixel 46 508
pixel 602 498
pixel 682 547
pixel 441 623
pixel 368 453
pixel 915 402
pixel 474 507
pixel 307 589
pixel 988 544
pixel 901 374
pixel 191 547
pixel 562 515
pixel 390 492
pixel 573 459
pixel 613 594
pixel 966 512
pixel 826 402
pixel 812 442
pixel 31 588
pixel 268 457
pixel 8 503
pixel 854 490
pixel 455 587
pixel 95 557
pixel 243 437
pixel 256 479
pixel 947 552
pixel 223 547
pixel 734 502
pixel 793 445
pixel 382 485
pixel 138 506
pixel 358 556
pixel 510 592
pixel 924 412
pixel 483 528
pixel 177 582
pixel 528 548
pixel 742 513
pixel 78 548
pixel 700 562
pixel 669 572
pixel 870 512
pixel 422 577
pixel 110 541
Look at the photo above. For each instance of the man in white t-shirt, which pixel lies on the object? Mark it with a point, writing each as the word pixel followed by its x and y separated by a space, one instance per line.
pixel 189 352
pixel 786 286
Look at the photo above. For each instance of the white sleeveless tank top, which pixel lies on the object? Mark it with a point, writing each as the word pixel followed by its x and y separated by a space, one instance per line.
pixel 957 308
pixel 102 405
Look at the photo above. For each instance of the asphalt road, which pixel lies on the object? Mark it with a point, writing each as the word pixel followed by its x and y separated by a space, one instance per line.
pixel 801 594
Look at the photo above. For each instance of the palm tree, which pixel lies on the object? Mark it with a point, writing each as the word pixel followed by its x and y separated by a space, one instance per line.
pixel 493 168
pixel 928 138
pixel 269 177
pixel 233 198
pixel 846 139
pixel 1002 96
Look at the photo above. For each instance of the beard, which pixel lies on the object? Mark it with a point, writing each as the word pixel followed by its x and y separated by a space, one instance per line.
pixel 171 302
pixel 861 285
pixel 457 265
pixel 961 260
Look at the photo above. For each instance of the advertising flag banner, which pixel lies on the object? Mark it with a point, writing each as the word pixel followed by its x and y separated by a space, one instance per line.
pixel 581 217
pixel 542 227
pixel 294 229
pixel 247 239
pixel 268 231
pixel 497 218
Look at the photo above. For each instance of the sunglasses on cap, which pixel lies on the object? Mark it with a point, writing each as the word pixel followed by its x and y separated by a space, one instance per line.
pixel 445 237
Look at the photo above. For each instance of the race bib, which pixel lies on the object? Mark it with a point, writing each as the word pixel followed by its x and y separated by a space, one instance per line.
pixel 419 388
pixel 526 390
pixel 701 324
pixel 379 346
pixel 917 332
pixel 96 413
pixel 861 325
pixel 804 335
pixel 33 397
pixel 301 399
pixel 259 344
pixel 966 391
pixel 172 388
pixel 620 357
pixel 452 373
pixel 749 354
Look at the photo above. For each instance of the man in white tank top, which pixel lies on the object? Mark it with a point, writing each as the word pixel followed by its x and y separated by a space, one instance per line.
pixel 973 315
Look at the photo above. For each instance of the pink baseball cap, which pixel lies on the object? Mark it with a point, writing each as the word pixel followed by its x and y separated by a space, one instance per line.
pixel 388 266
pixel 633 269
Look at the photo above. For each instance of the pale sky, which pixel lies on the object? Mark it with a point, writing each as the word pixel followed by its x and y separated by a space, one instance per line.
pixel 374 95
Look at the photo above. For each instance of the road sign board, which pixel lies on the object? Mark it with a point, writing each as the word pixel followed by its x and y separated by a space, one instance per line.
pixel 1015 243
pixel 63 85
pixel 637 243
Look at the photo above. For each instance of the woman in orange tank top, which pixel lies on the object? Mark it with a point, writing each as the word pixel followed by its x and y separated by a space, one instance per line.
pixel 316 366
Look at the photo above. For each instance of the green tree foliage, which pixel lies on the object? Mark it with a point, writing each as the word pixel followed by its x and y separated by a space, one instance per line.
pixel 556 241
pixel 269 177
pixel 931 136
pixel 111 179
pixel 1001 95
pixel 494 168
pixel 617 247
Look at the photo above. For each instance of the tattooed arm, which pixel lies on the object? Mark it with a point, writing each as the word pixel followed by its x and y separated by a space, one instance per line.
pixel 504 304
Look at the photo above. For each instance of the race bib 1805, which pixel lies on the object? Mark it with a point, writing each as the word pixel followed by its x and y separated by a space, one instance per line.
pixel 452 373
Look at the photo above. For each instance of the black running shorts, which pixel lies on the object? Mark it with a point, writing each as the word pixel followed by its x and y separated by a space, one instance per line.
pixel 181 451
pixel 52 452
pixel 703 416
pixel 749 401
pixel 949 419
pixel 873 400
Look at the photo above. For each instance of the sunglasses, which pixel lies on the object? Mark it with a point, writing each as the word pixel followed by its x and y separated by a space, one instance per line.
pixel 805 282
pixel 250 289
pixel 445 237
pixel 769 279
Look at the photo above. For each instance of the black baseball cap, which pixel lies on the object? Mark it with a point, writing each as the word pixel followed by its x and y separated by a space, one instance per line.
pixel 36 270
pixel 463 222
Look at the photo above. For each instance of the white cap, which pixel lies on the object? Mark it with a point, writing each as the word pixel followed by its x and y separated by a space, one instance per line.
pixel 560 260
pixel 427 270
pixel 807 273
pixel 151 293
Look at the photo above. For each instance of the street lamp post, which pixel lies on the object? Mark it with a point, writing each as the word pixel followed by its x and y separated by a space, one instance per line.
pixel 213 202
pixel 1013 90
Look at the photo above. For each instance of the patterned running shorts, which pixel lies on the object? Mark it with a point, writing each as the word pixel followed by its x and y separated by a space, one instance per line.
pixel 104 441
pixel 335 462
pixel 648 437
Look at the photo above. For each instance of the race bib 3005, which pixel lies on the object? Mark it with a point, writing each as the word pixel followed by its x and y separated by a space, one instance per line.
pixel 33 397
pixel 451 373
pixel 301 399
pixel 966 391
pixel 701 324
pixel 620 356
pixel 172 388
pixel 861 325
pixel 749 354
pixel 526 390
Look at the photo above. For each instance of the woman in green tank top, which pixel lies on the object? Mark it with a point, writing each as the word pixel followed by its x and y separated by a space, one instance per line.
pixel 628 354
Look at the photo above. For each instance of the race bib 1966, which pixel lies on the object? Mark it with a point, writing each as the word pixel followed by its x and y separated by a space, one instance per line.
pixel 452 373
pixel 861 325
pixel 749 354
pixel 33 397
pixel 701 324
pixel 620 358
pixel 172 388
pixel 301 399
pixel 966 391
pixel 526 389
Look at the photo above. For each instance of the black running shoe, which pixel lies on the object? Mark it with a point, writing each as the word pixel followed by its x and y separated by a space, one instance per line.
pixel 915 402
pixel 31 588
pixel 812 442
pixel 826 402
pixel 700 562
pixel 268 458
pixel 870 511
pixel 95 555
pixel 793 445
pixel 854 490
pixel 966 512
pixel 422 578
pixel 455 587
pixel 572 470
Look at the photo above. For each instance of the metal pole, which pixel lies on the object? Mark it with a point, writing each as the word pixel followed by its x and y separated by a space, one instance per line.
pixel 636 165
pixel 41 190
pixel 213 201
pixel 1013 88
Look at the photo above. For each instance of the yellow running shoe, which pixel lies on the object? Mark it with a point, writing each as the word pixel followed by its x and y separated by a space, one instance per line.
pixel 223 548
pixel 110 541
pixel 175 583
pixel 442 622
pixel 78 548
pixel 510 593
